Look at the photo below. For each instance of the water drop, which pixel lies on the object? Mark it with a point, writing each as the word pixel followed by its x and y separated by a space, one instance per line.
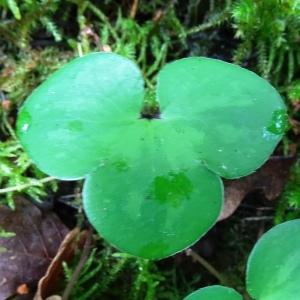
pixel 171 234
pixel 24 121
pixel 25 127
pixel 223 167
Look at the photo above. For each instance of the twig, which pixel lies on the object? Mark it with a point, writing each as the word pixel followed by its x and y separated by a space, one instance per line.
pixel 134 8
pixel 259 218
pixel 9 127
pixel 206 265
pixel 84 256
pixel 26 185
pixel 79 50
pixel 214 21
pixel 98 13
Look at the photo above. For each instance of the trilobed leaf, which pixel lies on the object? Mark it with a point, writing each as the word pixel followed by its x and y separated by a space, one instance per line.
pixel 152 185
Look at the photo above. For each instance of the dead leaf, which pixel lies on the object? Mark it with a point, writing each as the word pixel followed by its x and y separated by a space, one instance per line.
pixel 28 254
pixel 47 284
pixel 270 179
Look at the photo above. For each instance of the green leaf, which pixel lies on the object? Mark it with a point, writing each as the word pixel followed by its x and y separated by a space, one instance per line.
pixel 149 188
pixel 14 8
pixel 152 209
pixel 6 234
pixel 215 292
pixel 274 264
pixel 228 117
pixel 66 123
pixel 239 116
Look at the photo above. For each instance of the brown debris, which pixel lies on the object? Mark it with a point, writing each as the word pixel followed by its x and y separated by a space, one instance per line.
pixel 270 179
pixel 28 253
pixel 47 284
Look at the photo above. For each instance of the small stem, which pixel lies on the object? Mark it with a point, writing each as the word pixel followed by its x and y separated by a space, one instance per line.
pixel 84 256
pixel 79 50
pixel 25 186
pixel 149 84
pixel 104 19
pixel 206 265
pixel 9 127
pixel 134 9
pixel 150 109
pixel 214 21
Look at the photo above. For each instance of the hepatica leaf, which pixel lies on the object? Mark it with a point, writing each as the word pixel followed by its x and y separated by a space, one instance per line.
pixel 153 186
pixel 215 292
pixel 151 213
pixel 66 124
pixel 239 116
pixel 274 264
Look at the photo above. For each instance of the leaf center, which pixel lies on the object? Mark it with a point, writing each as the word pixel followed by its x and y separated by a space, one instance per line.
pixel 150 109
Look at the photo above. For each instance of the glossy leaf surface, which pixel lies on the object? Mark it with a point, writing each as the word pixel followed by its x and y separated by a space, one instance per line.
pixel 149 188
pixel 273 271
pixel 215 292
pixel 239 116
pixel 149 210
pixel 228 117
pixel 65 124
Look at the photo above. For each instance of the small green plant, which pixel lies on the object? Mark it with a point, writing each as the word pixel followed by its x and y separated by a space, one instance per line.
pixel 17 173
pixel 270 31
pixel 272 269
pixel 30 69
pixel 102 277
pixel 152 171
pixel 25 17
pixel 149 43
pixel 88 285
pixel 289 204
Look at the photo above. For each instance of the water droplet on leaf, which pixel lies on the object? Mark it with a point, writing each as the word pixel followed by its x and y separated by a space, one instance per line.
pixel 24 121
pixel 224 167
pixel 25 127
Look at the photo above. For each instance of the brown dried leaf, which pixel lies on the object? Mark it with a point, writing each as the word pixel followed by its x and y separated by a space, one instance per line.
pixel 270 178
pixel 28 254
pixel 47 284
